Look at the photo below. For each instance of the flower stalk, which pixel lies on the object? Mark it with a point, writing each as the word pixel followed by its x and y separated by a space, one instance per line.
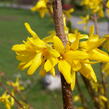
pixel 82 97
pixel 59 27
pixel 17 102
pixel 91 92
pixel 95 23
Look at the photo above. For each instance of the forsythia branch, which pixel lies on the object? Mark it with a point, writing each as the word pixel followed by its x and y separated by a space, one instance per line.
pixel 59 27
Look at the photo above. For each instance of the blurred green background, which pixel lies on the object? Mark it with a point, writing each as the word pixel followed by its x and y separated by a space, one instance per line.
pixel 12 31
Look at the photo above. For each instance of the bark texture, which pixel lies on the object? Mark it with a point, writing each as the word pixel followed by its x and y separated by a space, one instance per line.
pixel 59 27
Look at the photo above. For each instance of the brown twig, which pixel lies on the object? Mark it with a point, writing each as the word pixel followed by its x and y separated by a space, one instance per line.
pixel 91 92
pixel 102 76
pixel 95 23
pixel 58 20
pixel 49 4
pixel 103 86
pixel 83 99
pixel 59 27
pixel 4 87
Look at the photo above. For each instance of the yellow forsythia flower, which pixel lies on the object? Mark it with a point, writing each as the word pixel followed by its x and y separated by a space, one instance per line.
pixel 16 85
pixel 68 12
pixel 7 100
pixel 84 20
pixel 34 53
pixel 41 7
pixel 76 56
pixel 103 98
pixel 76 98
pixel 95 5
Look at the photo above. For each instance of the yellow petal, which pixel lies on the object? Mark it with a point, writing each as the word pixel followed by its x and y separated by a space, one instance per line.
pixel 65 68
pixel 43 12
pixel 37 42
pixel 42 72
pixel 105 68
pixel 90 62
pixel 48 65
pixel 53 61
pixel 8 106
pixel 52 71
pixel 107 4
pixel 18 47
pixel 48 39
pixel 103 98
pixel 106 44
pixel 93 42
pixel 58 45
pixel 76 65
pixel 36 63
pixel 91 30
pixel 41 4
pixel 76 55
pixel 75 44
pixel 71 37
pixel 24 57
pixel 99 55
pixel 73 80
pixel 41 8
pixel 84 36
pixel 24 65
pixel 87 71
pixel 30 30
pixel 54 53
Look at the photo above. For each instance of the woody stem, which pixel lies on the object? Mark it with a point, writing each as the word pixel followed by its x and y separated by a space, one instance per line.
pixel 59 27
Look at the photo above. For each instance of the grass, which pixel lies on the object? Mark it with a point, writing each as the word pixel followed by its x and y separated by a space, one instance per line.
pixel 12 31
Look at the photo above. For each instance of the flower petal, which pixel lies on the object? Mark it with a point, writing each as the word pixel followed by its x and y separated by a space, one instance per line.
pixel 76 65
pixel 19 47
pixel 42 72
pixel 99 55
pixel 105 68
pixel 36 63
pixel 76 55
pixel 48 65
pixel 52 71
pixel 87 71
pixel 58 45
pixel 91 44
pixel 54 53
pixel 25 65
pixel 65 68
pixel 73 80
pixel 30 30
pixel 71 37
pixel 75 44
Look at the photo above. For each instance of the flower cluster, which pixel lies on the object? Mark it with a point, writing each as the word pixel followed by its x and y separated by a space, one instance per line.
pixel 49 54
pixel 8 97
pixel 45 7
pixel 96 6
pixel 41 7
pixel 7 100
pixel 16 85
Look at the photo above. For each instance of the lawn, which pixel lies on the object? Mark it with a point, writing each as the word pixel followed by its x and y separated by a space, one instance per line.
pixel 12 31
